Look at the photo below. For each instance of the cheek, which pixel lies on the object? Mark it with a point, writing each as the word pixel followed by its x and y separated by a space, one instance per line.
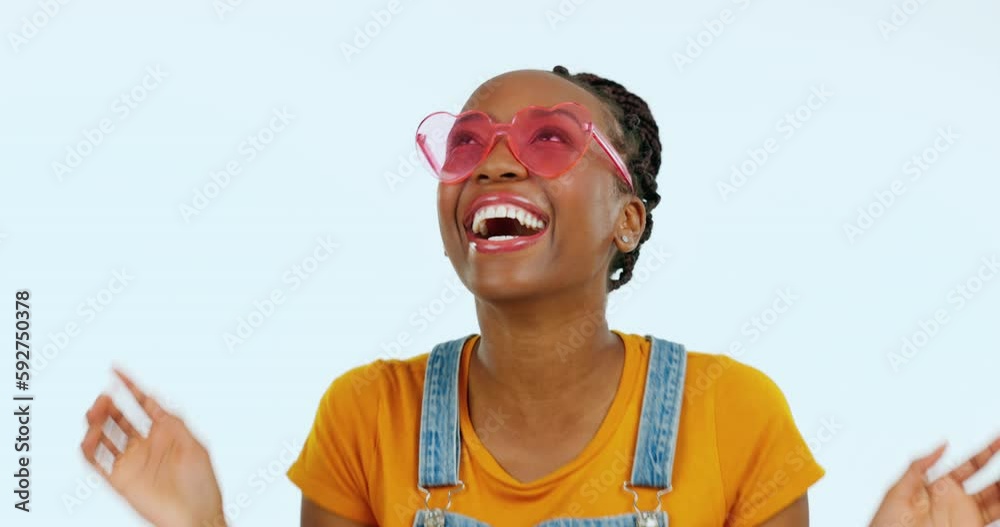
pixel 447 202
pixel 585 204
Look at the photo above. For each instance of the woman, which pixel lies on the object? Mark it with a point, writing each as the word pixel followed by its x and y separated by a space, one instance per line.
pixel 547 182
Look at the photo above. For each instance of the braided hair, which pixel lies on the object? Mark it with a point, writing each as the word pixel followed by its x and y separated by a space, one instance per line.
pixel 639 144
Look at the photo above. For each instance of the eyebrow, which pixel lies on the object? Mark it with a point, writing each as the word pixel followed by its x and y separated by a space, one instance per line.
pixel 462 120
pixel 488 114
pixel 495 119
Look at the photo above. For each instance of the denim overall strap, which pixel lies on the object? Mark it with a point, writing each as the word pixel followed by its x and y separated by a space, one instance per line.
pixel 660 418
pixel 621 520
pixel 424 518
pixel 439 430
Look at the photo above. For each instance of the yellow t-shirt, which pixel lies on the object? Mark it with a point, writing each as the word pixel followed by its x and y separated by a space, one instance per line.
pixel 740 458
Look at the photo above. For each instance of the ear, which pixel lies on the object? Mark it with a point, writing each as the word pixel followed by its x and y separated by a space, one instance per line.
pixel 630 225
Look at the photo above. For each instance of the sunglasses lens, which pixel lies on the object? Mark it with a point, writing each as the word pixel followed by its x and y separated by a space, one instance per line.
pixel 467 144
pixel 550 142
pixel 454 146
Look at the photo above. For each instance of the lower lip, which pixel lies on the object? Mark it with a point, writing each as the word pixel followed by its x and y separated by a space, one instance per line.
pixel 503 246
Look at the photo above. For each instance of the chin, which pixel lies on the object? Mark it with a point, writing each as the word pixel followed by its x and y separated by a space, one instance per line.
pixel 503 286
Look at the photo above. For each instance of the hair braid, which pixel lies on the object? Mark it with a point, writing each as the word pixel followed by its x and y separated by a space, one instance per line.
pixel 640 146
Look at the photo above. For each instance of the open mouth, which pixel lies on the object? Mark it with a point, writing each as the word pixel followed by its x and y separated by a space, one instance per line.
pixel 504 222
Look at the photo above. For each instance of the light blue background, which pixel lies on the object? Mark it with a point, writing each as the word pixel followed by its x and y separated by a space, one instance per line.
pixel 324 176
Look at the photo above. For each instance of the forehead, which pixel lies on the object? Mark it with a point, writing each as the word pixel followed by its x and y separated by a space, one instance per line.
pixel 502 96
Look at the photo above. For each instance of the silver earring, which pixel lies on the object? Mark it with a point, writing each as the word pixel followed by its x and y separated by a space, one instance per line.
pixel 625 239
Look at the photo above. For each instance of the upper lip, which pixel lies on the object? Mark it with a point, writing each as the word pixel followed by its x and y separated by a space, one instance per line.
pixel 499 198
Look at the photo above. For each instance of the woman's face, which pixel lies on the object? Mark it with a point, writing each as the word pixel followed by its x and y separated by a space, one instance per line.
pixel 584 213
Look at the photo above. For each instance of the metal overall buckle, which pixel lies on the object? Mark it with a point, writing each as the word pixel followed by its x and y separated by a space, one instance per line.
pixel 435 516
pixel 646 518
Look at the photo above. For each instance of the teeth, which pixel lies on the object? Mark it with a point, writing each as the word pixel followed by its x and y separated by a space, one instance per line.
pixel 501 238
pixel 504 211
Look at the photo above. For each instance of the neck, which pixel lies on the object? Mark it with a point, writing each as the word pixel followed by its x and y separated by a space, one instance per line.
pixel 537 351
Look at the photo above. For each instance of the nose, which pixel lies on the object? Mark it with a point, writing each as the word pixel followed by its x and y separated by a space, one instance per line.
pixel 500 164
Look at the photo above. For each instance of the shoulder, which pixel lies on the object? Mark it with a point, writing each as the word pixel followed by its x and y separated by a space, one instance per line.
pixel 764 462
pixel 395 382
pixel 340 458
pixel 372 382
pixel 719 384
pixel 724 376
pixel 738 394
pixel 710 374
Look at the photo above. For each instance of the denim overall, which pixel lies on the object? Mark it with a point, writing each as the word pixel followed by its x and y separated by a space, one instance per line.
pixel 440 441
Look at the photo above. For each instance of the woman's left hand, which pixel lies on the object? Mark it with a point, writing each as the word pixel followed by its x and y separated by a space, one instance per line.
pixel 916 502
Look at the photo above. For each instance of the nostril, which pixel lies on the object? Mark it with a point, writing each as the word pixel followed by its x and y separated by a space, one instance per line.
pixel 505 175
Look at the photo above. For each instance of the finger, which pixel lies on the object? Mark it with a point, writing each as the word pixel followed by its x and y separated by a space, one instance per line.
pixel 913 483
pixel 90 441
pixel 139 395
pixel 96 452
pixel 152 408
pixel 109 445
pixel 918 469
pixel 975 463
pixel 989 502
pixel 99 410
pixel 104 408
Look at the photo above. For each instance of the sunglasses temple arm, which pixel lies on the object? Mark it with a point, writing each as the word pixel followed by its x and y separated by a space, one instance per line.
pixel 615 158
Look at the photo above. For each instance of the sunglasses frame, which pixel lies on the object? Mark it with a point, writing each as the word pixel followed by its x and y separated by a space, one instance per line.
pixel 502 129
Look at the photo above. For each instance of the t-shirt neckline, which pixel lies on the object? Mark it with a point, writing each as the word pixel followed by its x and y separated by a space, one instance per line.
pixel 624 395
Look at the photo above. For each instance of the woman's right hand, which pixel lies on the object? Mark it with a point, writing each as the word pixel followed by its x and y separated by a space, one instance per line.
pixel 918 502
pixel 167 477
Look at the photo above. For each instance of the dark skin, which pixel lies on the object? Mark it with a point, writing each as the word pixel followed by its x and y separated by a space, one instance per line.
pixel 526 301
